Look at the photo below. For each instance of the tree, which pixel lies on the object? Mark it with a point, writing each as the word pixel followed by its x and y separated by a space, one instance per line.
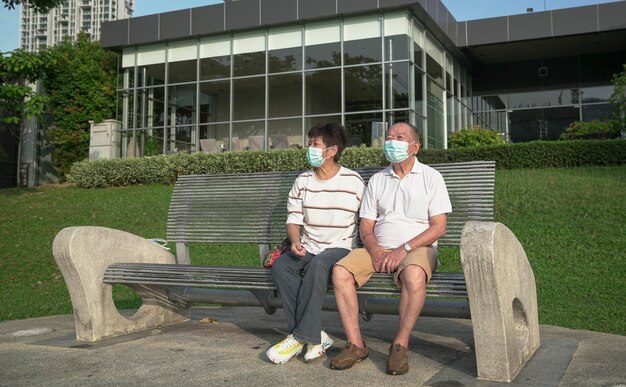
pixel 618 99
pixel 81 88
pixel 19 102
pixel 38 5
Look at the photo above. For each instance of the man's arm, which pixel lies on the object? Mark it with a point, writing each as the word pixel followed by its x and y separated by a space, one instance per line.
pixel 436 230
pixel 366 229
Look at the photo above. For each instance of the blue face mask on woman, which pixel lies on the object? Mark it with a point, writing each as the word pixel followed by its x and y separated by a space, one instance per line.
pixel 396 151
pixel 314 156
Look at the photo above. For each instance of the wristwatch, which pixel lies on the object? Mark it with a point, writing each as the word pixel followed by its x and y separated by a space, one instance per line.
pixel 407 247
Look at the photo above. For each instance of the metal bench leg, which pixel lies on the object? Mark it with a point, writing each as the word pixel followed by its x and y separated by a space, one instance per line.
pixel 83 254
pixel 503 299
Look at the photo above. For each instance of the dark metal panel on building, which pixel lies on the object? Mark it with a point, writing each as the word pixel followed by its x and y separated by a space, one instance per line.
pixel 395 3
pixel 487 31
pixel 461 34
pixel 431 8
pixel 578 20
pixel 175 24
pixel 349 6
pixel 278 11
pixel 442 17
pixel 308 9
pixel 612 15
pixel 114 33
pixel 242 14
pixel 530 26
pixel 452 27
pixel 207 20
pixel 143 29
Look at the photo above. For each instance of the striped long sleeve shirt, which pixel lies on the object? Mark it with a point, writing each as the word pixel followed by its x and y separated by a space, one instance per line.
pixel 326 209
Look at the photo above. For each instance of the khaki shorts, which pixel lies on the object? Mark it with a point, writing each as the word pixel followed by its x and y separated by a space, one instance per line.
pixel 359 263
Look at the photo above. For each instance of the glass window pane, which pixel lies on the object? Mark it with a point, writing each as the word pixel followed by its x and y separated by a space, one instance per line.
pixel 363 88
pixel 419 91
pixel 309 122
pixel 396 47
pixel 397 116
pixel 182 105
pixel 322 55
pixel 151 75
pixel 555 97
pixel 285 95
pixel 285 133
pixel 183 138
pixel 215 68
pixel 151 112
pixel 248 136
pixel 359 127
pixel 435 115
pixel 596 94
pixel 125 103
pixel 362 51
pixel 323 91
pixel 286 59
pixel 397 80
pixel 212 137
pixel 184 71
pixel 215 101
pixel 249 98
pixel 597 111
pixel 250 63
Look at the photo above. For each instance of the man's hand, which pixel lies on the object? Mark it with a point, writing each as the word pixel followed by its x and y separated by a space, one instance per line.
pixel 298 250
pixel 392 260
pixel 378 258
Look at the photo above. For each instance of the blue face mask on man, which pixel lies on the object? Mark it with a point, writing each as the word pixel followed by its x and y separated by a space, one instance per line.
pixel 314 156
pixel 396 151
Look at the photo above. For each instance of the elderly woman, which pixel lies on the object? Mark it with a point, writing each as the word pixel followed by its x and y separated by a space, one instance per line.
pixel 321 225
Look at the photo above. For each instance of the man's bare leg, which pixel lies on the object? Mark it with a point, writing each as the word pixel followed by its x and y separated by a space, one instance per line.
pixel 412 298
pixel 347 303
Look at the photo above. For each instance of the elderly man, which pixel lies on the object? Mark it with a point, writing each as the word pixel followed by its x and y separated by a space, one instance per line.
pixel 403 213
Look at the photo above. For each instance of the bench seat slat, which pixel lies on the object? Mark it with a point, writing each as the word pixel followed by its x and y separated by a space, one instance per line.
pixel 442 285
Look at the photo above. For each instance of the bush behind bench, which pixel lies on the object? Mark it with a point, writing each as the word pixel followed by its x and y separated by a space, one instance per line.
pixel 164 169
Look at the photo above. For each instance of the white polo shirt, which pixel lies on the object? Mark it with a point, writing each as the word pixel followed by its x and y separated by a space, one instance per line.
pixel 402 207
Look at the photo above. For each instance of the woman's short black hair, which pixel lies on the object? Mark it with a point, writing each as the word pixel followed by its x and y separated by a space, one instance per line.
pixel 331 133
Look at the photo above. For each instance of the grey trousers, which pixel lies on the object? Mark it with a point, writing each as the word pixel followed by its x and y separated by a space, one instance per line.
pixel 302 283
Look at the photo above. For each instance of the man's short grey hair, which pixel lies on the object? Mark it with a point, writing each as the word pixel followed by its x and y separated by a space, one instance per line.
pixel 414 131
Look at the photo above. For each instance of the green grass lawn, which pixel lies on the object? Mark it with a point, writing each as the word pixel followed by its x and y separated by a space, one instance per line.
pixel 570 222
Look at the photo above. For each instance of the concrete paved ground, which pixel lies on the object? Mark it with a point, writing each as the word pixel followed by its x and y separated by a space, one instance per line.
pixel 227 346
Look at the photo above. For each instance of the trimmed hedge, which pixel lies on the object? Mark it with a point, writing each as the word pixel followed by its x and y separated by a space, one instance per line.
pixel 164 169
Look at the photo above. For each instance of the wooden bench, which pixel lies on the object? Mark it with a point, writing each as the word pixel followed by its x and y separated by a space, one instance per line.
pixel 251 208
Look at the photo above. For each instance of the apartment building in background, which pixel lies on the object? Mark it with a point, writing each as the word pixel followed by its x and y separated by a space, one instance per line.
pixel 39 30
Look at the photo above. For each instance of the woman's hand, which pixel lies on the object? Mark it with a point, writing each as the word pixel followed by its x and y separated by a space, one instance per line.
pixel 298 250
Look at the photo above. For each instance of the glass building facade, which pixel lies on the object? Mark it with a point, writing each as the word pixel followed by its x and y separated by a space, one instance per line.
pixel 545 96
pixel 263 89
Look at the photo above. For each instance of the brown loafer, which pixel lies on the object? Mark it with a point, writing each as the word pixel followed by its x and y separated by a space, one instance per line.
pixel 398 360
pixel 349 355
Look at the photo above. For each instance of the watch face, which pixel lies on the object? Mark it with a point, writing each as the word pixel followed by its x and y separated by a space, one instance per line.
pixel 407 247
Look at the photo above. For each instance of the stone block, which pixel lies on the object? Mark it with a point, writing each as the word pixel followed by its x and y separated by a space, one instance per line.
pixel 503 299
pixel 83 254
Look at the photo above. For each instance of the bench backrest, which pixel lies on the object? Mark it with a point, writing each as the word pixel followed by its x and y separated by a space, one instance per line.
pixel 252 207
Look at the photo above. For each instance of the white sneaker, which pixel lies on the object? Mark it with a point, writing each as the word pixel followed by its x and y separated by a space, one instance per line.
pixel 313 351
pixel 285 350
